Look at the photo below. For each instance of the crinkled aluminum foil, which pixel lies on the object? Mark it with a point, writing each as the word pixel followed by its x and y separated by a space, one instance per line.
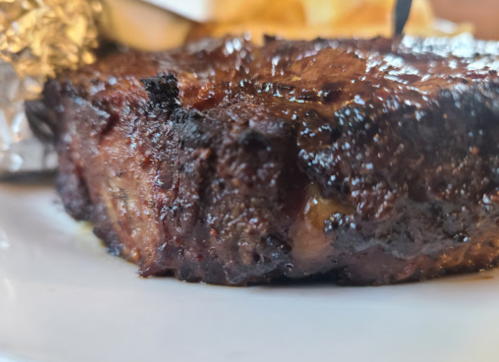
pixel 37 38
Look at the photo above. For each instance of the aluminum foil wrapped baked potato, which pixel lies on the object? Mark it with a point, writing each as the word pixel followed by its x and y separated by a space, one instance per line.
pixel 37 38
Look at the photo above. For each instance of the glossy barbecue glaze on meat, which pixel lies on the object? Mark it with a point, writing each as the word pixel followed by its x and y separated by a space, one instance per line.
pixel 361 162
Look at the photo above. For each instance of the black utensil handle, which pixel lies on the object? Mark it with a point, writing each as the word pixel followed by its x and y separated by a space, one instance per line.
pixel 402 11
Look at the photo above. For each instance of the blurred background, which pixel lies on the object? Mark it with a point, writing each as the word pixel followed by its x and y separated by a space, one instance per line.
pixel 142 25
pixel 483 14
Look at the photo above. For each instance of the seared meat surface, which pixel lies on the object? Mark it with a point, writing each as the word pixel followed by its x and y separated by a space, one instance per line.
pixel 360 162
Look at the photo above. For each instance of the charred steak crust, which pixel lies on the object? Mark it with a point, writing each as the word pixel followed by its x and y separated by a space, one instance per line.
pixel 360 162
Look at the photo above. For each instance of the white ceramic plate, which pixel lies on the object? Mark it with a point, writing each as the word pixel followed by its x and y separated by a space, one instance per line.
pixel 62 298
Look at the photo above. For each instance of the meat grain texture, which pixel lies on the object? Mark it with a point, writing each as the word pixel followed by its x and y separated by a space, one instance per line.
pixel 356 161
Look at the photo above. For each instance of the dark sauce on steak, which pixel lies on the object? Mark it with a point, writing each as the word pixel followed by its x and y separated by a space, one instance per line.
pixel 357 161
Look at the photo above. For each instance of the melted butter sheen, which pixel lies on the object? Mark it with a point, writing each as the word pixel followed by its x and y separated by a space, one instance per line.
pixel 318 209
pixel 310 245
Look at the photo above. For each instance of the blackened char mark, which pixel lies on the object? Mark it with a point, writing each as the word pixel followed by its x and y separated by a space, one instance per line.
pixel 163 91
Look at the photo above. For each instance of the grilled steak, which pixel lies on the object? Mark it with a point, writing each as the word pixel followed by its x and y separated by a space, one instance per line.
pixel 356 161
